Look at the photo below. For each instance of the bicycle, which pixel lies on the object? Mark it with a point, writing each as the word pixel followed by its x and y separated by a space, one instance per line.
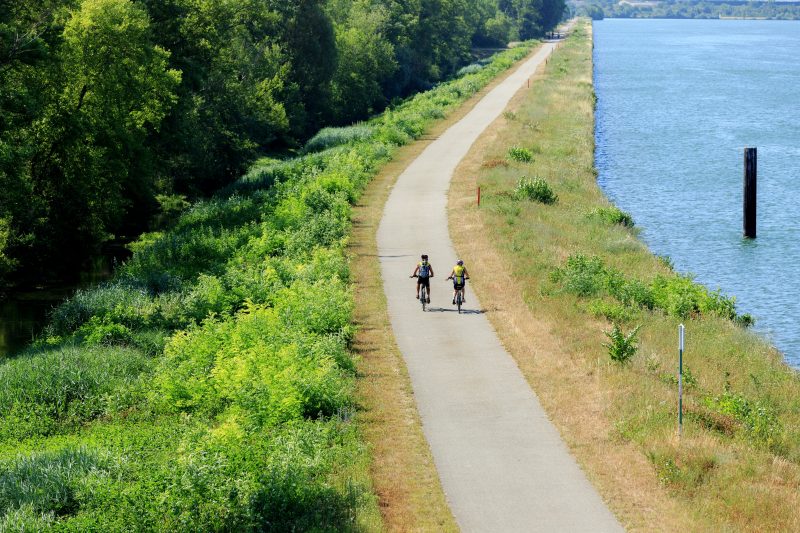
pixel 460 295
pixel 423 295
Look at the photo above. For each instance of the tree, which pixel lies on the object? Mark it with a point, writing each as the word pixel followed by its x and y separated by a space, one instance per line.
pixel 110 89
pixel 366 60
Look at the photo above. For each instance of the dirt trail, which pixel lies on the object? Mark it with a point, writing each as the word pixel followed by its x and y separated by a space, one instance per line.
pixel 502 464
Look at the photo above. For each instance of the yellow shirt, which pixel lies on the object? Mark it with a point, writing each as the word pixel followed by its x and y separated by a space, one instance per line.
pixel 458 273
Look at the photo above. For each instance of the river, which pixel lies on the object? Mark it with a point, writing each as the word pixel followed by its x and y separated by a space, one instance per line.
pixel 24 312
pixel 677 101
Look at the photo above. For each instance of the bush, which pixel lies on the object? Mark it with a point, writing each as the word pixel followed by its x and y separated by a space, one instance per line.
pixel 582 275
pixel 680 296
pixel 104 331
pixel 518 153
pixel 613 215
pixel 535 189
pixel 676 295
pixel 621 347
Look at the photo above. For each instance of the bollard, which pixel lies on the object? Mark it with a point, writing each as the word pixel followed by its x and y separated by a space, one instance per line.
pixel 749 202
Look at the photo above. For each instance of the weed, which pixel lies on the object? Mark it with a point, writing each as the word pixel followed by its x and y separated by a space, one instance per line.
pixel 757 419
pixel 493 163
pixel 581 275
pixel 520 154
pixel 330 137
pixel 469 69
pixel 535 189
pixel 611 311
pixel 621 347
pixel 613 215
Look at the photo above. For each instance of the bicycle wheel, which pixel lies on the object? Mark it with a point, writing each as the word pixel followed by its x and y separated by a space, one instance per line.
pixel 458 301
pixel 423 297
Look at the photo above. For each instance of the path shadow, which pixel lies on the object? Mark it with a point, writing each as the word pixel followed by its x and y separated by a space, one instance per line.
pixel 453 310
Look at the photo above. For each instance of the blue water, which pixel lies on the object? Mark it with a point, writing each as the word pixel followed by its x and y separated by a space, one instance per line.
pixel 678 100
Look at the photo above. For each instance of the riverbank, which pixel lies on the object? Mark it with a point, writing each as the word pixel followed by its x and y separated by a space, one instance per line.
pixel 560 275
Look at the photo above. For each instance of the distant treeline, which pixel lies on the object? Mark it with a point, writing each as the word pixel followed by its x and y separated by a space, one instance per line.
pixel 698 9
pixel 113 111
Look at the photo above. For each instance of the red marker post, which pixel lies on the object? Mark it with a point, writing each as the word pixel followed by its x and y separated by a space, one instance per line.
pixel 479 196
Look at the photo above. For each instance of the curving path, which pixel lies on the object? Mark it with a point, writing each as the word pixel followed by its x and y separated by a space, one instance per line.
pixel 501 462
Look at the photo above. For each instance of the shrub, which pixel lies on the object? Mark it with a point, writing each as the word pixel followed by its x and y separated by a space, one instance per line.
pixel 621 347
pixel 104 331
pixel 680 296
pixel 613 215
pixel 581 275
pixel 518 153
pixel 535 189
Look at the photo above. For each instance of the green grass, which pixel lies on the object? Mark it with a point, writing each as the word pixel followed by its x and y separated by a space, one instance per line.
pixel 209 386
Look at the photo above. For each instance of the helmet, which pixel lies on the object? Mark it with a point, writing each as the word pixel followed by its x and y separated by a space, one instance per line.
pixel 425 256
pixel 460 262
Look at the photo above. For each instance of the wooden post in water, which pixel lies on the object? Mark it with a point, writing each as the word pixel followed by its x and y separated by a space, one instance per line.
pixel 749 207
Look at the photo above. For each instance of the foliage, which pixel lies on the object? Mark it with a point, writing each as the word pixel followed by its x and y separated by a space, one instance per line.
pixel 110 108
pixel 612 311
pixel 330 137
pixel 613 215
pixel 469 69
pixel 677 295
pixel 535 189
pixel 621 347
pixel 46 483
pixel 209 385
pixel 696 9
pixel 60 387
pixel 757 418
pixel 518 153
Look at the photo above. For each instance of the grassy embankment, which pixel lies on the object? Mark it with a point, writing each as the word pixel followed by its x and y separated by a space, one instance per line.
pixel 560 274
pixel 211 385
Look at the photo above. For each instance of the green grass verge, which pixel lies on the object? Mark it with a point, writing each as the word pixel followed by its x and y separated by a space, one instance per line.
pixel 580 266
pixel 209 386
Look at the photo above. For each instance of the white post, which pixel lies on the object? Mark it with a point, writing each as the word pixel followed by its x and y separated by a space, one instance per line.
pixel 680 379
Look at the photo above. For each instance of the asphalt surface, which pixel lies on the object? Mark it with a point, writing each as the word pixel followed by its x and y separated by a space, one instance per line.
pixel 502 464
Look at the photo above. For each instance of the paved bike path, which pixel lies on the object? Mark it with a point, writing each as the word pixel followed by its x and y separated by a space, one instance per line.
pixel 501 462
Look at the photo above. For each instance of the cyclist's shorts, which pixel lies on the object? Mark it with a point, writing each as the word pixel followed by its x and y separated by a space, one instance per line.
pixel 424 281
pixel 458 286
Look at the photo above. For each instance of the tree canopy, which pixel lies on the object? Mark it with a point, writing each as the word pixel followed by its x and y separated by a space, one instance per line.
pixel 109 106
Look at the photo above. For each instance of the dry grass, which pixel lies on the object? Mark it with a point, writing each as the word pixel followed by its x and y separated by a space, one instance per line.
pixel 404 476
pixel 619 421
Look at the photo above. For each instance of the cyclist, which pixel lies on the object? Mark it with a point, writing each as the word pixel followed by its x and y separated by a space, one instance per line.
pixel 459 275
pixel 423 273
